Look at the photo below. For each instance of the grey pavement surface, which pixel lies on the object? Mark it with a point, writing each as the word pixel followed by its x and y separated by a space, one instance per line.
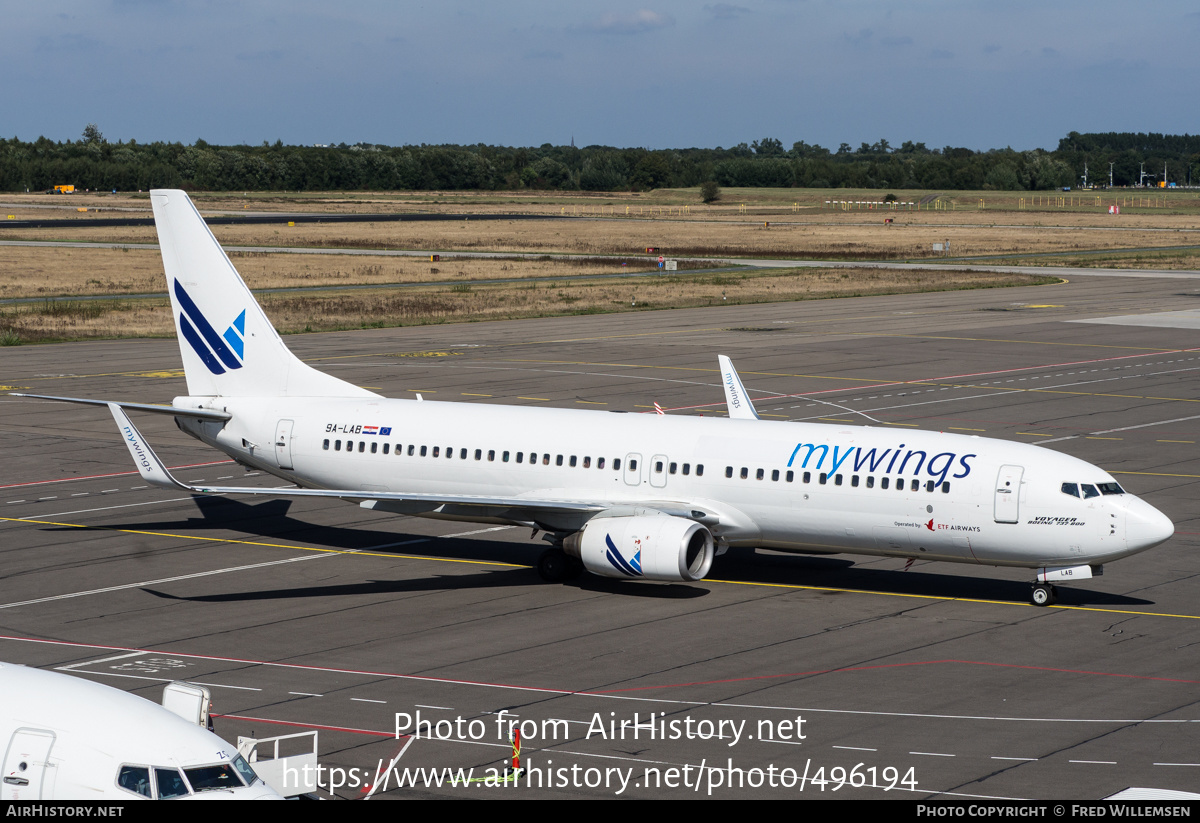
pixel 319 615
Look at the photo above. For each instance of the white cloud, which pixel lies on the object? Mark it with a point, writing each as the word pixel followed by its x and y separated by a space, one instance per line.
pixel 635 23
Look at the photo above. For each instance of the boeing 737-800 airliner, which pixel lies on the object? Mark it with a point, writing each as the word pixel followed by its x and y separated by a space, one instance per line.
pixel 632 496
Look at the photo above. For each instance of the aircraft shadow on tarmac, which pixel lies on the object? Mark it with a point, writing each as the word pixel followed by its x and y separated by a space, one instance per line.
pixel 840 573
pixel 270 520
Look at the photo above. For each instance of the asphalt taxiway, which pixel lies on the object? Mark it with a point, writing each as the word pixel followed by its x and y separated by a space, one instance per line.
pixel 938 681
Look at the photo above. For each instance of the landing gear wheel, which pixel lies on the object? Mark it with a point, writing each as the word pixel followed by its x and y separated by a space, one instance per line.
pixel 554 566
pixel 1044 595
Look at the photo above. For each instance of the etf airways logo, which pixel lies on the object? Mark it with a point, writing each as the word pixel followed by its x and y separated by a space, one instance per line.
pixel 937 527
pixel 212 348
pixel 632 568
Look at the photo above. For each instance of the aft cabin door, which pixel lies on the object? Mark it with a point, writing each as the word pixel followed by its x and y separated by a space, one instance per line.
pixel 283 444
pixel 1008 494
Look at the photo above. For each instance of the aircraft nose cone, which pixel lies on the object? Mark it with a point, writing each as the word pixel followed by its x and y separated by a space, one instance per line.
pixel 1147 526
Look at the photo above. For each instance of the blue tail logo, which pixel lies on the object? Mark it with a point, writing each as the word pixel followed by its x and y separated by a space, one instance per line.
pixel 632 568
pixel 212 348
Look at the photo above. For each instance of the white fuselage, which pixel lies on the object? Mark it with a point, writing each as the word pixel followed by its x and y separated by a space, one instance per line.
pixel 791 486
pixel 66 738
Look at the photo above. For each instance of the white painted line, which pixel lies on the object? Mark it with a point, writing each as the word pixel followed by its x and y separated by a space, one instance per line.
pixel 101 660
pixel 365 700
pixel 1177 764
pixel 1022 759
pixel 226 686
pixel 162 580
pixel 1128 428
pixel 306 694
pixel 169 680
pixel 628 698
pixel 934 754
pixel 478 531
pixel 1096 762
pixel 855 749
pixel 442 708
pixel 391 765
pixel 108 508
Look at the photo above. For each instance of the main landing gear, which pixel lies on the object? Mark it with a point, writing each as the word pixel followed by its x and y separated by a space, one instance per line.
pixel 1044 594
pixel 555 566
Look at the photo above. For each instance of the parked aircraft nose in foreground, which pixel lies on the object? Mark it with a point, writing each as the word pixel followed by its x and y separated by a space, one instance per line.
pixel 67 738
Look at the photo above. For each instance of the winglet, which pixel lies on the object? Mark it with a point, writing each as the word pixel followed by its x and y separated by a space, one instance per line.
pixel 739 403
pixel 148 464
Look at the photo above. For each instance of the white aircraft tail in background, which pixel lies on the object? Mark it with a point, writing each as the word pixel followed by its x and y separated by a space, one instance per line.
pixel 229 347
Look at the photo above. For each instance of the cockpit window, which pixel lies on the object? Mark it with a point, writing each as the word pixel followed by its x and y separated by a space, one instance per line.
pixel 1071 489
pixel 135 779
pixel 170 783
pixel 1089 491
pixel 214 777
pixel 1110 488
pixel 243 768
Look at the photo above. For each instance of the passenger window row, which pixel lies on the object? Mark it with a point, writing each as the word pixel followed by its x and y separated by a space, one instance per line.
pixel 823 479
pixel 491 456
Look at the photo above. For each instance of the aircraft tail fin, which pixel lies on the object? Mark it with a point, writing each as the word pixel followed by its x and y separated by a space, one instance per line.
pixel 228 345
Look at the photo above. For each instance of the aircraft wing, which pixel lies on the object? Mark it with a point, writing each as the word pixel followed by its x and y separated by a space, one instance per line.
pixel 155 472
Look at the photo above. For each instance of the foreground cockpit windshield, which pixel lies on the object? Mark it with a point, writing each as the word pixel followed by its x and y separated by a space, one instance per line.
pixel 170 783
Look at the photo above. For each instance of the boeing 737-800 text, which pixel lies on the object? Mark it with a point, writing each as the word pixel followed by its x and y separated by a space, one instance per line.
pixel 642 497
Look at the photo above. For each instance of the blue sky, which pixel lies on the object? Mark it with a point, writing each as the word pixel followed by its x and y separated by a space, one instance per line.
pixel 641 73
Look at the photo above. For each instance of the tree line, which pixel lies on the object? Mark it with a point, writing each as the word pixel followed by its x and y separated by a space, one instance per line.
pixel 94 163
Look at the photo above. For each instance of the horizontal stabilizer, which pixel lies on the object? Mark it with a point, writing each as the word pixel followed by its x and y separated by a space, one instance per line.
pixel 175 411
pixel 740 406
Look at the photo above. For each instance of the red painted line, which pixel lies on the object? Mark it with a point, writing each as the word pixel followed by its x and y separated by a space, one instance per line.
pixel 328 669
pixel 766 677
pixel 581 693
pixel 114 474
pixel 309 725
pixel 893 666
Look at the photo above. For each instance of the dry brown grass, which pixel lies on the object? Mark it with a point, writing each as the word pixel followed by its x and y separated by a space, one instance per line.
pixel 325 311
pixel 839 238
pixel 735 203
pixel 811 231
pixel 45 272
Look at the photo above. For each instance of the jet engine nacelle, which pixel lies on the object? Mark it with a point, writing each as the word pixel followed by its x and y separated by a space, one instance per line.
pixel 658 547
